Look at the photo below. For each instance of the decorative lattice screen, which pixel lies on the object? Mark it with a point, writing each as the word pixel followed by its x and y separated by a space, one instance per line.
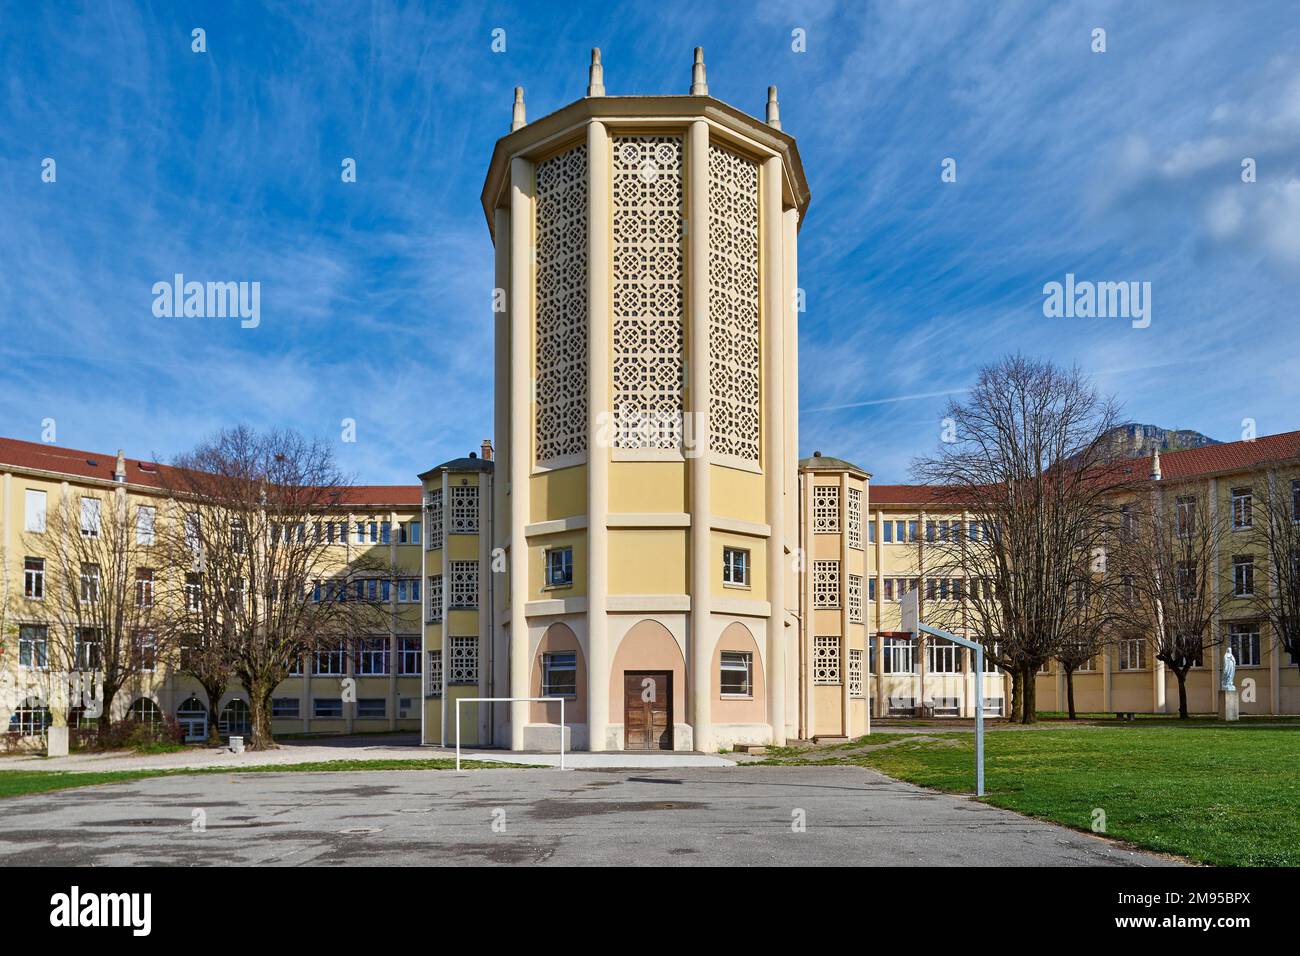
pixel 561 343
pixel 855 673
pixel 435 598
pixel 854 518
pixel 464 509
pixel 733 305
pixel 464 584
pixel 826 660
pixel 826 584
pixel 826 508
pixel 855 598
pixel 648 271
pixel 463 660
pixel 435 520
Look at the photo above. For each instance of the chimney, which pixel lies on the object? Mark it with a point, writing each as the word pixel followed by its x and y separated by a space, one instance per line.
pixel 773 109
pixel 119 470
pixel 699 85
pixel 1155 462
pixel 596 75
pixel 486 449
pixel 517 117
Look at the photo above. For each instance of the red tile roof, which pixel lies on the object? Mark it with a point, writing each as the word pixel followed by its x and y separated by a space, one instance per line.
pixel 1174 466
pixel 37 456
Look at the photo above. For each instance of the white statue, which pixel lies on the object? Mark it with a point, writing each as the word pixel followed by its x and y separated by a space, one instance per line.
pixel 1229 670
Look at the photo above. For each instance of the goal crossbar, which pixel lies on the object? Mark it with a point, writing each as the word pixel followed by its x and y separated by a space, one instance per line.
pixel 507 700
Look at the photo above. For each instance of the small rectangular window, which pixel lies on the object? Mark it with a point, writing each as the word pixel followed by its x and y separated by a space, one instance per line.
pixel 559 567
pixel 372 707
pixel 34 511
pixel 1242 508
pixel 735 567
pixel 34 579
pixel 327 707
pixel 887 532
pixel 737 678
pixel 560 674
pixel 286 707
pixel 144 525
pixel 90 517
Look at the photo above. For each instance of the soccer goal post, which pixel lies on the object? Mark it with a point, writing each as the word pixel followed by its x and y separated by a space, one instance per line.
pixel 509 700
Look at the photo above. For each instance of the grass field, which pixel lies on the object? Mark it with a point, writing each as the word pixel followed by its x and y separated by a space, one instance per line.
pixel 1228 796
pixel 16 783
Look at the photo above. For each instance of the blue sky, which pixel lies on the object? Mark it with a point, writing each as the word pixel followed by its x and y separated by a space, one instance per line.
pixel 1123 165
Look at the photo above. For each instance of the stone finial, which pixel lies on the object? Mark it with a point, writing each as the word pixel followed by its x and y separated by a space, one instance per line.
pixel 699 84
pixel 1155 462
pixel 119 469
pixel 517 118
pixel 596 75
pixel 773 109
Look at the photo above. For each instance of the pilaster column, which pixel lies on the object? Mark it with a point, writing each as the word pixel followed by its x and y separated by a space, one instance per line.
pixel 501 418
pixel 846 701
pixel 790 402
pixel 519 299
pixel 445 570
pixel 598 417
pixel 700 680
pixel 774 458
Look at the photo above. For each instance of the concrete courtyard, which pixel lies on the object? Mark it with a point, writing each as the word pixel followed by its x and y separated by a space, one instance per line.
pixel 681 816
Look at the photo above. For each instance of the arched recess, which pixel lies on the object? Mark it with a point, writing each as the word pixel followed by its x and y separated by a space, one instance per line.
pixel 648 646
pixel 558 640
pixel 747 709
pixel 144 710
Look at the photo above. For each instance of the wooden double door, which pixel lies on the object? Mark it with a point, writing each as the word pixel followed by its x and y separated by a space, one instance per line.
pixel 647 710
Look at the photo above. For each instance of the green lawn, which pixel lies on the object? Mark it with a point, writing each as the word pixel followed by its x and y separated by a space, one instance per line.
pixel 16 783
pixel 1228 796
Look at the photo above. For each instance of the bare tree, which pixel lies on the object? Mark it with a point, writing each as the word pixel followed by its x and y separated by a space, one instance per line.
pixel 263 585
pixel 1090 624
pixel 99 580
pixel 1276 533
pixel 1164 560
pixel 1029 464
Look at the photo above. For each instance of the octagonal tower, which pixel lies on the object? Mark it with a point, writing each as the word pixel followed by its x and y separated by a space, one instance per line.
pixel 646 420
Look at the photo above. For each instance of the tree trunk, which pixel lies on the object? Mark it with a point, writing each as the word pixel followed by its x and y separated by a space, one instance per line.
pixel 1017 698
pixel 1029 705
pixel 213 694
pixel 105 720
pixel 1069 691
pixel 1182 693
pixel 260 706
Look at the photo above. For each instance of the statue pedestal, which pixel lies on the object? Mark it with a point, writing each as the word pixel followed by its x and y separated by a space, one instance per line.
pixel 56 741
pixel 1231 709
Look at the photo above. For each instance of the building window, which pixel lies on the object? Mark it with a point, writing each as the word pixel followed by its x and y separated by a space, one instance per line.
pixel 735 567
pixel 1186 510
pixel 855 599
pixel 30 718
pixel 434 508
pixel 34 511
pixel 826 660
pixel 408 532
pixel 559 567
pixel 33 646
pixel 372 656
pixel 826 584
pixel 887 532
pixel 193 592
pixel 90 517
pixel 34 579
pixel 464 584
pixel 435 599
pixel 370 708
pixel 144 647
pixel 327 707
pixel 871 530
pixel 144 525
pixel 1243 575
pixel 408 590
pixel 1127 522
pixel 464 509
pixel 89 583
pixel 898 655
pixel 286 707
pixel 408 656
pixel 1244 641
pixel 85 648
pixel 944 657
pixel 435 674
pixel 1132 654
pixel 854 518
pixel 560 674
pixel 826 509
pixel 1295 499
pixel 1186 583
pixel 855 674
pixel 1242 508
pixel 464 661
pixel 144 587
pixel 736 675
pixel 871 589
pixel 329 663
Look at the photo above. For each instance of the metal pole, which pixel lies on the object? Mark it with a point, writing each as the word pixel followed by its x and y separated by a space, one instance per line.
pixel 561 733
pixel 979 721
pixel 457 731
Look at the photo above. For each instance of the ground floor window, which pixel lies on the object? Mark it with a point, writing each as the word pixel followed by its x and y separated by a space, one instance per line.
pixel 947 706
pixel 284 707
pixel 372 657
pixel 737 676
pixel 898 655
pixel 33 646
pixel 30 718
pixel 1132 654
pixel 145 711
pixel 1244 641
pixel 235 718
pixel 560 674
pixel 992 706
pixel 408 656
pixel 372 707
pixel 327 707
pixel 944 657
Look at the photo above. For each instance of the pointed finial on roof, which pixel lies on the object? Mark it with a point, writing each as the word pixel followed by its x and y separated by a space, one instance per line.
pixel 119 470
pixel 1155 462
pixel 773 109
pixel 517 118
pixel 699 84
pixel 596 75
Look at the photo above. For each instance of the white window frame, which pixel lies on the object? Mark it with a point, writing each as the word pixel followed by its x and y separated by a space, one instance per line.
pixel 559 662
pixel 899 655
pixel 1243 504
pixel 34 510
pixel 29 643
pixel 735 567
pixel 558 559
pixel 146 517
pixel 33 579
pixel 1246 630
pixel 91 517
pixel 741 662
